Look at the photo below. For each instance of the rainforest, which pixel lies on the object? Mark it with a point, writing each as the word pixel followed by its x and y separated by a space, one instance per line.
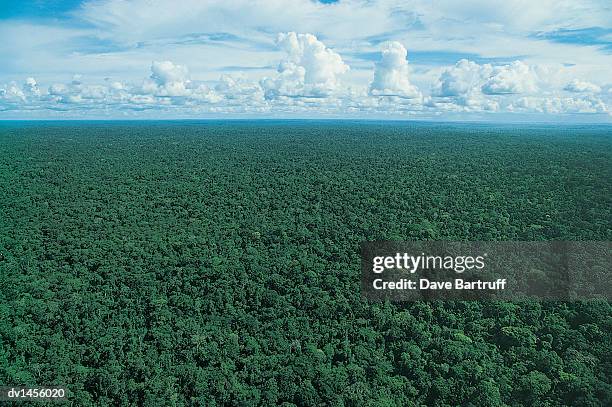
pixel 216 263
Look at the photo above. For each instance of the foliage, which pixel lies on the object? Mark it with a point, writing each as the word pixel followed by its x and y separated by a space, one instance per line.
pixel 217 263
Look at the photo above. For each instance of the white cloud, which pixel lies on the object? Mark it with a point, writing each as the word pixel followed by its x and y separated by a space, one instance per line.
pixel 463 78
pixel 166 72
pixel 516 87
pixel 239 89
pixel 168 79
pixel 559 105
pixel 469 78
pixel 309 68
pixel 517 77
pixel 308 82
pixel 119 39
pixel 138 20
pixel 121 36
pixel 30 87
pixel 391 73
pixel 77 92
pixel 579 86
pixel 12 93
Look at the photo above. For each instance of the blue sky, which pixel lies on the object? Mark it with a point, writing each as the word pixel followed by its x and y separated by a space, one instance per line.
pixel 37 8
pixel 420 59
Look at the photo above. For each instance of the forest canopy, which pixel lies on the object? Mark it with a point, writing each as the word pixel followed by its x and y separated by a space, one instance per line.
pixel 217 263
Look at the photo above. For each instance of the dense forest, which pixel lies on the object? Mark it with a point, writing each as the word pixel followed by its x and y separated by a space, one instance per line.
pixel 217 263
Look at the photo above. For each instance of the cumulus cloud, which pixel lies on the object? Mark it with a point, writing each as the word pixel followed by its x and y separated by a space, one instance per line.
pixel 472 102
pixel 77 92
pixel 308 83
pixel 166 72
pixel 171 83
pixel 391 73
pixel 116 36
pixel 239 89
pixel 558 105
pixel 579 86
pixel 30 87
pixel 167 79
pixel 517 77
pixel 516 87
pixel 464 78
pixel 468 77
pixel 168 86
pixel 308 69
pixel 12 93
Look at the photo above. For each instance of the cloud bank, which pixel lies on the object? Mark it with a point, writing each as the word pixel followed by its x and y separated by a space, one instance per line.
pixel 515 87
pixel 310 81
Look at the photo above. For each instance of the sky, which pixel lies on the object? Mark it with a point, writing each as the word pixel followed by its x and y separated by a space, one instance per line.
pixel 506 60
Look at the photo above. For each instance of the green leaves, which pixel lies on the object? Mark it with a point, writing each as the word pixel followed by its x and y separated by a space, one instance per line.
pixel 217 264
